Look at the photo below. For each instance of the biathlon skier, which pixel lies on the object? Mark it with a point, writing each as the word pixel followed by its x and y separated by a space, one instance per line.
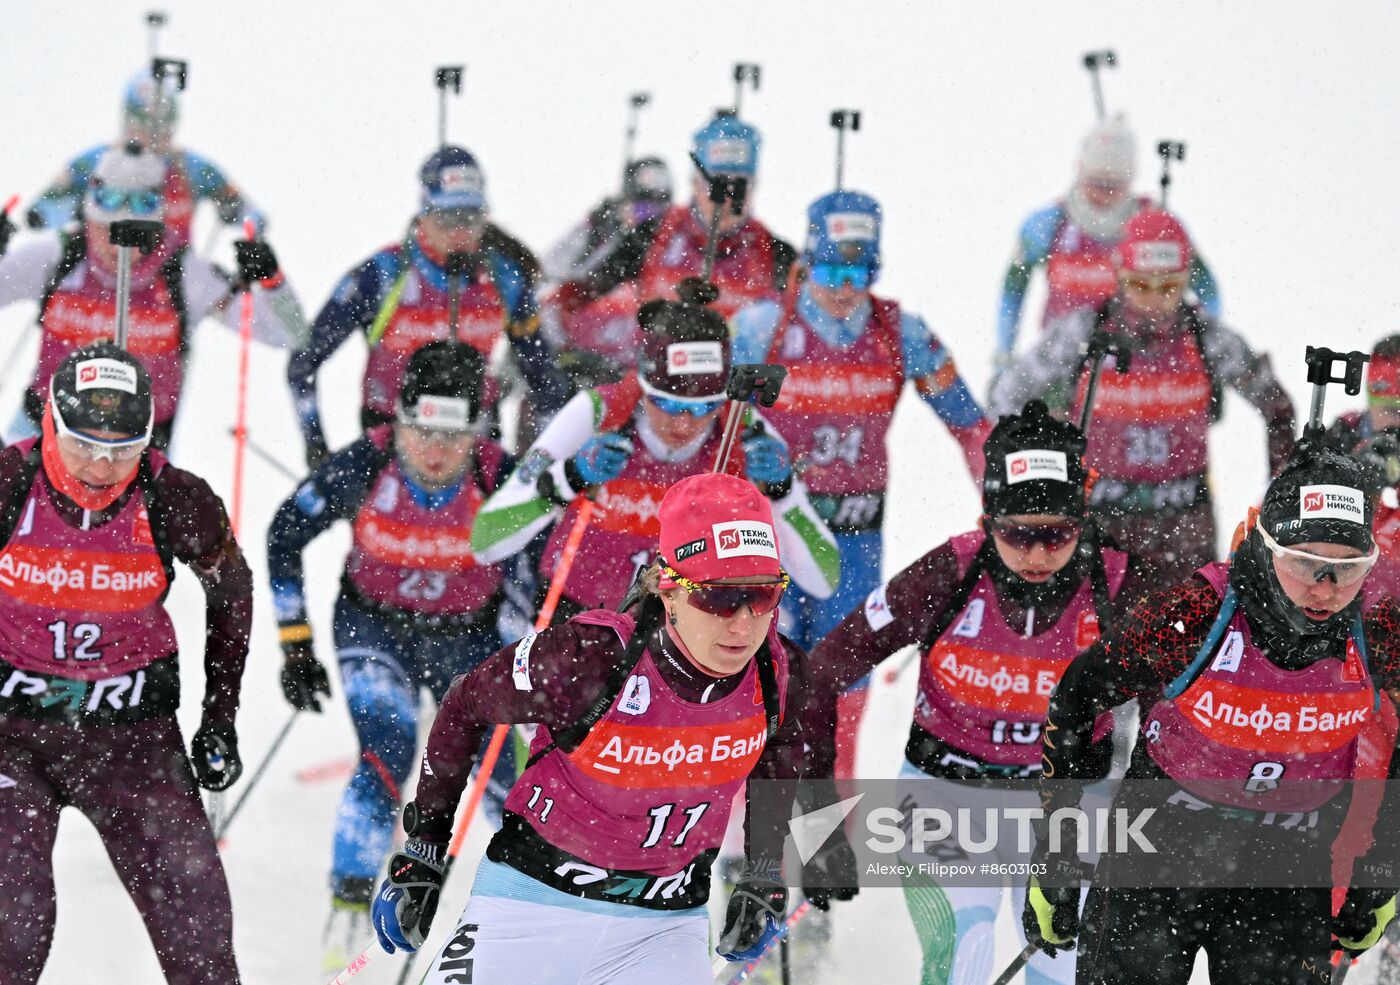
pixel 73 275
pixel 1282 629
pixel 453 263
pixel 1074 239
pixel 648 725
pixel 1021 595
pixel 93 521
pixel 624 444
pixel 150 110
pixel 415 609
pixel 1151 438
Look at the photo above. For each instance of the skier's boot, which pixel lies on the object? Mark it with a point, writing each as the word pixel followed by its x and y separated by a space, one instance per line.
pixel 348 925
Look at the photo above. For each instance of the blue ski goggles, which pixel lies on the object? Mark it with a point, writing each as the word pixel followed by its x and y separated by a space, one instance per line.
pixel 836 275
pixel 686 405
pixel 139 201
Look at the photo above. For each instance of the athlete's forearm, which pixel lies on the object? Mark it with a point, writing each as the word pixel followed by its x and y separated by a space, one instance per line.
pixel 547 680
pixel 765 830
pixel 1013 297
pixel 895 615
pixel 1152 646
pixel 198 532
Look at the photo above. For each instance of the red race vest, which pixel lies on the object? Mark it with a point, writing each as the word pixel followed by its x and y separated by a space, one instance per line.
pixel 743 261
pixel 837 403
pixel 1152 422
pixel 83 310
pixel 422 316
pixel 413 559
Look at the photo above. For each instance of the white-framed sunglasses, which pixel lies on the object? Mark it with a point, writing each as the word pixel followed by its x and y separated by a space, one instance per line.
pixel 90 449
pixel 1304 566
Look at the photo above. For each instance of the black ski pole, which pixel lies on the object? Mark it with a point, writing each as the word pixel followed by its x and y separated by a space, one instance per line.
pixel 1019 962
pixel 744 72
pixel 457 264
pixel 843 120
pixel 1169 150
pixel 636 102
pixel 1094 61
pixel 257 775
pixel 446 77
pixel 1320 362
pixel 127 235
pixel 175 69
pixel 731 188
pixel 1100 346
pixel 269 458
pixel 170 68
pixel 761 380
pixel 1339 973
pixel 155 20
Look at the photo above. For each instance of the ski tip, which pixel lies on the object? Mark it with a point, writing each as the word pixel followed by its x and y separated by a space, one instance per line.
pixel 334 770
pixel 10 203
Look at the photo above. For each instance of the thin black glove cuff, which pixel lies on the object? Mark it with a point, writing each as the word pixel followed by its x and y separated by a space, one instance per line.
pixel 421 825
pixel 775 490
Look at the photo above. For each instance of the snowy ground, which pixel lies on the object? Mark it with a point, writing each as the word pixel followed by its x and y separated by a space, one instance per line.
pixel 972 116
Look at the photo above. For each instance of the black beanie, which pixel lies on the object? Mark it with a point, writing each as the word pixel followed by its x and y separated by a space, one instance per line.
pixel 452 373
pixel 1035 464
pixel 1320 496
pixel 685 344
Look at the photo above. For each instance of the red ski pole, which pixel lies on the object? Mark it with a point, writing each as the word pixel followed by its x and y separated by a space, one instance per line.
pixel 357 964
pixel 498 736
pixel 240 427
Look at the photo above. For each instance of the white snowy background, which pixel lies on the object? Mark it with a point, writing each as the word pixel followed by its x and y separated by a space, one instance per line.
pixel 972 117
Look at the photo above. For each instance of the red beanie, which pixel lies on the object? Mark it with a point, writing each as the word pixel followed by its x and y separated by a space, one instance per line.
pixel 1154 242
pixel 716 526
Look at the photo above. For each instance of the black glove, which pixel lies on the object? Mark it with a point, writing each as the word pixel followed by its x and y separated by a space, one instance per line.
pixel 316 452
pixel 586 369
pixel 7 229
pixel 403 910
pixel 256 261
pixel 1051 914
pixel 214 756
pixel 754 917
pixel 831 873
pixel 303 677
pixel 1364 915
pixel 1380 457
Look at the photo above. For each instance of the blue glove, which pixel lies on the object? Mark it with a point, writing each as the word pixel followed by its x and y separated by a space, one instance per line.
pixel 601 459
pixel 767 463
pixel 754 919
pixel 403 909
